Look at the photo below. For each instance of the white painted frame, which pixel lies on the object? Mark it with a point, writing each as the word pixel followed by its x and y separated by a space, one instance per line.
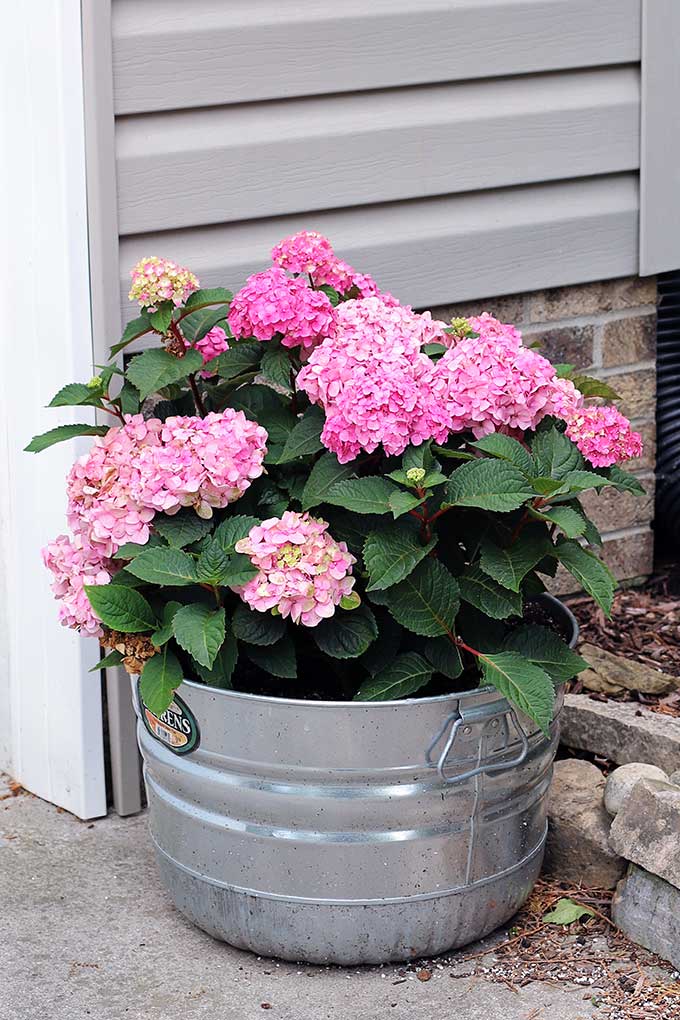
pixel 54 746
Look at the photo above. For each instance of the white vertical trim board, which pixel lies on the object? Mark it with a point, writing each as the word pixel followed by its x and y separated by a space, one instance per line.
pixel 56 719
pixel 660 138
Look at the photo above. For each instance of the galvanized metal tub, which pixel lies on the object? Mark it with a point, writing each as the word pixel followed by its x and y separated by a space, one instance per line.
pixel 346 832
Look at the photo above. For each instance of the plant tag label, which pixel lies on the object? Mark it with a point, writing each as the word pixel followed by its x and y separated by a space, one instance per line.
pixel 176 727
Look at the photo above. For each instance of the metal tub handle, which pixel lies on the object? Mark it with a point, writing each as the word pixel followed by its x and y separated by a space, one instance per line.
pixel 456 720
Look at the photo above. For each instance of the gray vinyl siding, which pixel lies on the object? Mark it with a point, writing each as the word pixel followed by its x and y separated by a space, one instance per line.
pixel 453 148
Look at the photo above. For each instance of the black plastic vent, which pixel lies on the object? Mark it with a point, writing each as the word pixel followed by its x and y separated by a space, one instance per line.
pixel 668 408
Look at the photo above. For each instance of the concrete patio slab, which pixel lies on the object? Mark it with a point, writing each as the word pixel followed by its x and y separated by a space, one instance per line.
pixel 87 931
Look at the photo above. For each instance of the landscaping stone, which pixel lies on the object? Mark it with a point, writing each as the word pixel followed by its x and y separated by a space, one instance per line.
pixel 647 909
pixel 621 731
pixel 675 778
pixel 578 847
pixel 622 780
pixel 613 674
pixel 647 829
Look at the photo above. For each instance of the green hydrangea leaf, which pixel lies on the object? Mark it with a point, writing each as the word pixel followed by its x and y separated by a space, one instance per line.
pixel 257 628
pixel 325 473
pixel 523 683
pixel 406 675
pixel 506 448
pixel 487 595
pixel 589 571
pixel 489 484
pixel 152 370
pixel 277 659
pixel 425 602
pixel 391 553
pixel 200 631
pixel 346 635
pixel 547 650
pixel 161 676
pixel 121 608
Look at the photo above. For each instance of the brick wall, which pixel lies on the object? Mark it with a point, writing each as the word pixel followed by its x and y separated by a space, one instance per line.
pixel 609 328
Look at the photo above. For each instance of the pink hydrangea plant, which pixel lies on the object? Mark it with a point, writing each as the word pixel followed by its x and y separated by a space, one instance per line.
pixel 388 381
pixel 603 435
pixel 155 280
pixel 302 571
pixel 74 564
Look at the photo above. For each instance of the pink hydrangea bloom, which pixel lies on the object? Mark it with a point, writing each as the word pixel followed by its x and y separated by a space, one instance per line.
pixel 302 571
pixel 311 253
pixel 74 564
pixel 490 328
pixel 373 380
pixel 100 505
pixel 155 280
pixel 210 346
pixel 200 462
pixel 566 399
pixel 604 436
pixel 304 252
pixel 491 383
pixel 272 302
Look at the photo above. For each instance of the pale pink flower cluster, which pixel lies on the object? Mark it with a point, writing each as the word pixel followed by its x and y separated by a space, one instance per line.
pixel 604 436
pixel 373 381
pixel 312 253
pixel 491 383
pixel 74 564
pixel 210 346
pixel 273 303
pixel 200 462
pixel 155 280
pixel 100 505
pixel 302 571
pixel 304 252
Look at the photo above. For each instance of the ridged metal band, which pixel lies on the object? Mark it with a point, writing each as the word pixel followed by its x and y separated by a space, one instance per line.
pixel 311 901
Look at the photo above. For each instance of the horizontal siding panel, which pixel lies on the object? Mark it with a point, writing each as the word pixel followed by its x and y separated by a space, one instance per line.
pixel 438 250
pixel 170 54
pixel 257 160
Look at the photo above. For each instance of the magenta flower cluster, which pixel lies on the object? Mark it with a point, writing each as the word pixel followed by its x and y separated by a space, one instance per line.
pixel 140 469
pixel 491 383
pixel 75 564
pixel 204 463
pixel 210 346
pixel 303 573
pixel 311 253
pixel 373 380
pixel 155 280
pixel 604 436
pixel 273 303
pixel 101 508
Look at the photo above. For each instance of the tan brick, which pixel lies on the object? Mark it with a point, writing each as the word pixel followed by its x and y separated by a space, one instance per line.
pixel 626 341
pixel 611 510
pixel 573 344
pixel 590 298
pixel 507 308
pixel 630 557
pixel 637 392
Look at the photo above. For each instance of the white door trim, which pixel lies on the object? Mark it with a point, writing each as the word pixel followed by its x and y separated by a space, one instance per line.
pixel 55 706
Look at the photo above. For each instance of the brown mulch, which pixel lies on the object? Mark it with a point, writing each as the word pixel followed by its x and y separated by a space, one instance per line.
pixel 624 981
pixel 645 626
